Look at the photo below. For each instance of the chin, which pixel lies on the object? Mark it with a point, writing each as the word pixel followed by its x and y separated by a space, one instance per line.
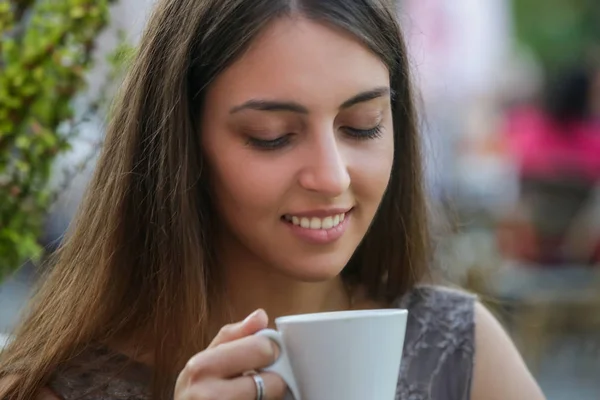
pixel 315 271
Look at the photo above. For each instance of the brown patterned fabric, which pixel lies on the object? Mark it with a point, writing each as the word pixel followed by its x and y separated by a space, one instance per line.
pixel 101 374
pixel 437 362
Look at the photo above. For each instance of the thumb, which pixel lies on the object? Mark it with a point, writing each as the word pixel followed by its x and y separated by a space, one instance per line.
pixel 253 323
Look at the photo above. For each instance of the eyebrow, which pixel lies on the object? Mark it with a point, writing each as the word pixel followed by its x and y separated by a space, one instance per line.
pixel 291 106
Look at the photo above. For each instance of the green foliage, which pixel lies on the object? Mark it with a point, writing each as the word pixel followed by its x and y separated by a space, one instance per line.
pixel 45 49
pixel 558 31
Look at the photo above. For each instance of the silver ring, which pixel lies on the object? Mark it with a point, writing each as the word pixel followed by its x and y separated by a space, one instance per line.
pixel 260 386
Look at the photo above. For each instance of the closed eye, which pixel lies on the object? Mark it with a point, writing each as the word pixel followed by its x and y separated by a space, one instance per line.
pixel 271 144
pixel 364 134
pixel 282 141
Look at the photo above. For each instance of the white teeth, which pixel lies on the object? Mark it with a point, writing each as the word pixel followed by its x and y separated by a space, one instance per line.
pixel 316 223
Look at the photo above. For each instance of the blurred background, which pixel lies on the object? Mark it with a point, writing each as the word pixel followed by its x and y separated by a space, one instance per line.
pixel 509 95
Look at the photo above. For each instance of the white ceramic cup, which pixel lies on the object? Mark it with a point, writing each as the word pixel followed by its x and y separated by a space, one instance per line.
pixel 350 355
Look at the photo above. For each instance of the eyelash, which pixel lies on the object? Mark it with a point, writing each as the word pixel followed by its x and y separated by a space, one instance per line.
pixel 280 142
pixel 268 145
pixel 364 134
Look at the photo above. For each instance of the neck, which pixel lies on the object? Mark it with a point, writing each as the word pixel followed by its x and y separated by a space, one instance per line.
pixel 250 285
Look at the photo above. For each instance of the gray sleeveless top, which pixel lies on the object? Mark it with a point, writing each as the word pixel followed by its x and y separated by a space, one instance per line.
pixel 437 362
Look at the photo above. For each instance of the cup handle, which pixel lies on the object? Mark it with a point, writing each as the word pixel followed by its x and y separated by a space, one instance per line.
pixel 282 365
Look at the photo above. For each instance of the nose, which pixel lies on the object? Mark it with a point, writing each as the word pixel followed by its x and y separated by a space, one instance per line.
pixel 325 170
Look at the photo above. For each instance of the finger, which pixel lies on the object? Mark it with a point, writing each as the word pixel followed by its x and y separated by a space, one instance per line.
pixel 240 388
pixel 253 323
pixel 274 386
pixel 233 358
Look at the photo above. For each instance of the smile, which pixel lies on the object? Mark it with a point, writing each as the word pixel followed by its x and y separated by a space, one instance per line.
pixel 319 230
pixel 315 222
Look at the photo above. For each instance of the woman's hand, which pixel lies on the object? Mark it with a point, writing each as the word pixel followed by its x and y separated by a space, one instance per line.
pixel 217 372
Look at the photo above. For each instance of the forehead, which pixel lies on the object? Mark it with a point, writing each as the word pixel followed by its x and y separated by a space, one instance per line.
pixel 303 60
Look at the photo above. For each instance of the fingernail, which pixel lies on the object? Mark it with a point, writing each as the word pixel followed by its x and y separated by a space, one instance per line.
pixel 191 362
pixel 253 315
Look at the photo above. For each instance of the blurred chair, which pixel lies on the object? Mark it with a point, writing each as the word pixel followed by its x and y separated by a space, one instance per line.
pixel 546 316
pixel 553 206
pixel 554 225
pixel 540 306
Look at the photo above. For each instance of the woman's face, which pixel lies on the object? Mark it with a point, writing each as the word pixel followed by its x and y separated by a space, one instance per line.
pixel 298 136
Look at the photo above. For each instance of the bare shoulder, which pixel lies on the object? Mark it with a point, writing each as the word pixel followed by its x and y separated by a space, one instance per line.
pixel 499 372
pixel 7 382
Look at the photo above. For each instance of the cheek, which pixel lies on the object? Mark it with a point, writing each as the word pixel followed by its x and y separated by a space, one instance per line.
pixel 243 186
pixel 370 172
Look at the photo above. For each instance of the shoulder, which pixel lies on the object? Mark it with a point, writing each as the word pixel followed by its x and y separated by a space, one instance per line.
pixel 95 373
pixel 438 295
pixel 100 373
pixel 437 308
pixel 456 349
pixel 439 348
pixel 500 372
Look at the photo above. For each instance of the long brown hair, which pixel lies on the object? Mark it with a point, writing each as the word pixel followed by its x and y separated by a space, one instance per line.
pixel 136 263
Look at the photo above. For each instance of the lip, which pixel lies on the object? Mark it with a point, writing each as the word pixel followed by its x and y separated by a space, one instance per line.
pixel 322 213
pixel 320 236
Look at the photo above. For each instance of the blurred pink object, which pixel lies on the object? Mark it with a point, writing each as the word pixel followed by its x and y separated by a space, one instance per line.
pixel 546 149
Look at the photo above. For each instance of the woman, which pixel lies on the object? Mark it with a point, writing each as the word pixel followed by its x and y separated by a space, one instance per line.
pixel 263 157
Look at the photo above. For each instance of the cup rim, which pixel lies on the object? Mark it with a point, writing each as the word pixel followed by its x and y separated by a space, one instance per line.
pixel 341 315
